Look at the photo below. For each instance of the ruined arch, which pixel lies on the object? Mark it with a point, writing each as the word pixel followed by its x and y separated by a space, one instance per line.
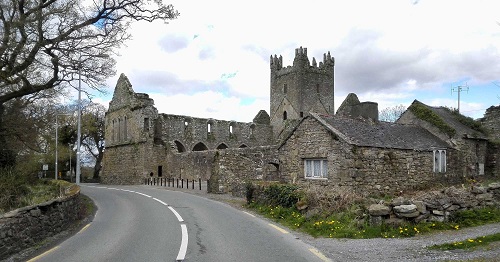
pixel 180 147
pixel 200 147
pixel 222 146
pixel 243 146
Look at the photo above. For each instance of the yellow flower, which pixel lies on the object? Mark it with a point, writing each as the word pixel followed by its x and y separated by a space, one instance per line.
pixel 470 240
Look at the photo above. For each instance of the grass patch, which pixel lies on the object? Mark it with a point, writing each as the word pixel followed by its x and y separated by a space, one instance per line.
pixel 469 243
pixel 423 112
pixel 18 189
pixel 352 223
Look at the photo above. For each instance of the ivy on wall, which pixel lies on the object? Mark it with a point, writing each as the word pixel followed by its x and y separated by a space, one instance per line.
pixel 424 113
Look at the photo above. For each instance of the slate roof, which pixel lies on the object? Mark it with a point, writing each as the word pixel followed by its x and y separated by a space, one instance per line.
pixel 447 116
pixel 363 132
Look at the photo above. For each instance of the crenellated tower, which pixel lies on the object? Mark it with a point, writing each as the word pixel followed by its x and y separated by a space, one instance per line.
pixel 301 88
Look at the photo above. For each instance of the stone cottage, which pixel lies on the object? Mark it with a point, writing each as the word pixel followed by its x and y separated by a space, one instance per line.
pixel 301 140
pixel 364 154
pixel 460 133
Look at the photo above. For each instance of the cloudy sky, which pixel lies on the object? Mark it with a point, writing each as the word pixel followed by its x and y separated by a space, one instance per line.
pixel 213 61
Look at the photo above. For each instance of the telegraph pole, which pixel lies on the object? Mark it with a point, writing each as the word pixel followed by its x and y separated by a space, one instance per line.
pixel 459 89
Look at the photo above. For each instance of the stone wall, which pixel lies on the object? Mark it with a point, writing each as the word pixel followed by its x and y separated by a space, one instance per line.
pixel 232 169
pixel 435 205
pixel 25 227
pixel 366 170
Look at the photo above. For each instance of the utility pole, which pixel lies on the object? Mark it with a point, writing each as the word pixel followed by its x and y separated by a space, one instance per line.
pixel 459 89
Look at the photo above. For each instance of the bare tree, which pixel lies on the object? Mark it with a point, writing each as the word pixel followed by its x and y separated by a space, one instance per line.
pixel 93 134
pixel 46 44
pixel 391 114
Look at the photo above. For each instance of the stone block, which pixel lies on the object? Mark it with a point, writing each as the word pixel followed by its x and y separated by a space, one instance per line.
pixel 405 209
pixel 493 186
pixel 379 210
pixel 478 190
pixel 421 207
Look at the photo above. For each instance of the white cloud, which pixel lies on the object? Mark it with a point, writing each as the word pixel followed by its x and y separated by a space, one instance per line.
pixel 215 56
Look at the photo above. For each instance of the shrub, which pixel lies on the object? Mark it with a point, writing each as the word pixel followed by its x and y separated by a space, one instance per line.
pixel 284 195
pixel 12 187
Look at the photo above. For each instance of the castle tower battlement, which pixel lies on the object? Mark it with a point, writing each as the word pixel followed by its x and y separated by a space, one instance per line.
pixel 298 89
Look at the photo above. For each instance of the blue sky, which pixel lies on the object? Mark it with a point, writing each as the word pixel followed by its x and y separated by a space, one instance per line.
pixel 213 61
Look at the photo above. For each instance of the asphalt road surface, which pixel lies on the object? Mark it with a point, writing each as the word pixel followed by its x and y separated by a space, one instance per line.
pixel 139 223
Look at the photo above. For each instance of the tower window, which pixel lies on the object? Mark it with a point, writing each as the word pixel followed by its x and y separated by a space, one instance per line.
pixel 284 115
pixel 301 114
pixel 284 88
pixel 146 124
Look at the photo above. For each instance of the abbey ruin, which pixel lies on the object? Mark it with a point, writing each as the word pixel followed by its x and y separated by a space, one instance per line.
pixel 301 140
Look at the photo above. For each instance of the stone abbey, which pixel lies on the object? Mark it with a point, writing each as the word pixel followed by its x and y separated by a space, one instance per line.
pixel 301 140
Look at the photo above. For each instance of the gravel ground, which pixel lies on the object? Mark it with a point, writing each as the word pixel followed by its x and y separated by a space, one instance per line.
pixel 390 249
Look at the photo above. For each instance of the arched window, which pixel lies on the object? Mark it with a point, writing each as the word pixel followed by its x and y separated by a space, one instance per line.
pixel 125 134
pixel 200 147
pixel 209 127
pixel 222 146
pixel 119 129
pixel 284 115
pixel 180 146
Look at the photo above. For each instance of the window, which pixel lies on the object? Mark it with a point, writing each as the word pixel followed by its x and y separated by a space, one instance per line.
pixel 316 168
pixel 146 124
pixel 209 127
pixel 285 115
pixel 440 161
pixel 125 134
pixel 284 88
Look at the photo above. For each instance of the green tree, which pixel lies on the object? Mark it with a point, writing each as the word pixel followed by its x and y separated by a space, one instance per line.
pixel 49 44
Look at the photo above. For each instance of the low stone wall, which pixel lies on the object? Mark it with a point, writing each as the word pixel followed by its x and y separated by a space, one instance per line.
pixel 24 227
pixel 435 205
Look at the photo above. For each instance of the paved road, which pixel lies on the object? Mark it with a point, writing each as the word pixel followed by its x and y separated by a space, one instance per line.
pixel 140 223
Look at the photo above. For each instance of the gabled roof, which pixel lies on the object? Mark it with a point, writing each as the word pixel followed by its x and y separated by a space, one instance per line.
pixel 363 132
pixel 452 120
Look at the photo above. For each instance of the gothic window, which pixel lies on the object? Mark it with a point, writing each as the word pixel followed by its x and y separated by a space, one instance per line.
pixel 113 130
pixel 316 168
pixel 222 146
pixel 180 146
pixel 230 129
pixel 200 147
pixel 146 124
pixel 125 134
pixel 119 129
pixel 440 161
pixel 209 127
pixel 252 129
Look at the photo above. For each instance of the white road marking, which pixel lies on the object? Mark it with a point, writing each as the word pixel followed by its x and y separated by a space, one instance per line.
pixel 142 194
pixel 176 214
pixel 184 243
pixel 165 204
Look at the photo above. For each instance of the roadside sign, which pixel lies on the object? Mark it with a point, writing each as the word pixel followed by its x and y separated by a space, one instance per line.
pixel 45 167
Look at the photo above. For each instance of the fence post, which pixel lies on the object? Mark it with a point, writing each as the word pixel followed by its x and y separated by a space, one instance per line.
pixel 182 183
pixel 192 184
pixel 199 182
pixel 177 183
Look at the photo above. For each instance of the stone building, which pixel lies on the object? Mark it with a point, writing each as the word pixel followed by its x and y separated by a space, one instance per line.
pixel 365 155
pixel 300 141
pixel 459 132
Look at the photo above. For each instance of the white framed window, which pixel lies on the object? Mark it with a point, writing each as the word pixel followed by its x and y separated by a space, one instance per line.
pixel 316 168
pixel 440 161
